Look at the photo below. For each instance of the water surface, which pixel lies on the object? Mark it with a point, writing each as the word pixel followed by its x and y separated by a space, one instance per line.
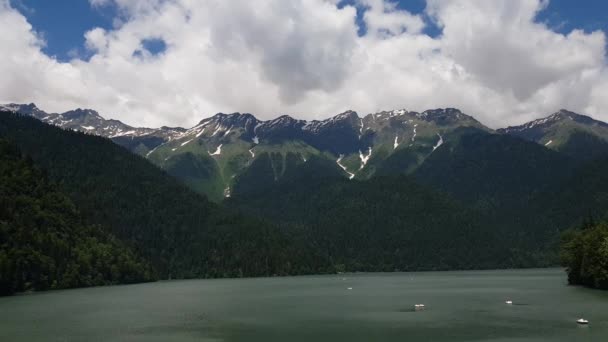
pixel 460 306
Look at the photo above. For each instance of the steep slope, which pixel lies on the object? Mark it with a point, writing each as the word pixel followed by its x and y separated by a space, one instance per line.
pixel 177 231
pixel 44 242
pixel 579 136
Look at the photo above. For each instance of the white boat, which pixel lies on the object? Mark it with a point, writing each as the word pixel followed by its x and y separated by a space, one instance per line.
pixel 582 321
pixel 349 288
pixel 419 306
pixel 509 302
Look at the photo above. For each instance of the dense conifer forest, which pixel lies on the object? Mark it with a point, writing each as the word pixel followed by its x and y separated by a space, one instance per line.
pixel 176 231
pixel 44 241
pixel 585 255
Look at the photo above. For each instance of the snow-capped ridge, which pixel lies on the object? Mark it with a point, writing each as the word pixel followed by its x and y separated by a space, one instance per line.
pixel 561 115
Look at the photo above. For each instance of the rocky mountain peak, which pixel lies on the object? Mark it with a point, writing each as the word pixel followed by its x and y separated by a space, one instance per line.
pixel 443 115
pixel 80 113
pixel 242 120
pixel 27 109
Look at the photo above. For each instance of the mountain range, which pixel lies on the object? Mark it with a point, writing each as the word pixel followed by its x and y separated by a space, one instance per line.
pixel 394 190
pixel 226 154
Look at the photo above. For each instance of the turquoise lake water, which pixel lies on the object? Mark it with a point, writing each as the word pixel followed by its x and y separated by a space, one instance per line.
pixel 460 306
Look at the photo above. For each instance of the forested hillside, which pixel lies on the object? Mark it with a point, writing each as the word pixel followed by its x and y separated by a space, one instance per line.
pixel 585 255
pixel 492 172
pixel 45 243
pixel 387 223
pixel 177 231
pixel 514 195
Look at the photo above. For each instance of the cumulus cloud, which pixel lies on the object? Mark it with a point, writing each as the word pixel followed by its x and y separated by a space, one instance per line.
pixel 305 57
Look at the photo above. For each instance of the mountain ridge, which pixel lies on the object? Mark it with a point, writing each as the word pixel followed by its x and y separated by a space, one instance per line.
pixel 312 125
pixel 212 156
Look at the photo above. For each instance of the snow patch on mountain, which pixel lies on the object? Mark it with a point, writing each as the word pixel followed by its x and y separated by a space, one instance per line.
pixel 217 130
pixel 365 158
pixel 119 133
pixel 361 128
pixel 399 112
pixel 217 152
pixel 152 150
pixel 350 174
pixel 439 143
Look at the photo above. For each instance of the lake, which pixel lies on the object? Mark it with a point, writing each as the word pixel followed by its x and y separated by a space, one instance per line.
pixel 460 306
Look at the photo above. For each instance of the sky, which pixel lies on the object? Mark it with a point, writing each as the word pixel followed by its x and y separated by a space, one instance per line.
pixel 175 62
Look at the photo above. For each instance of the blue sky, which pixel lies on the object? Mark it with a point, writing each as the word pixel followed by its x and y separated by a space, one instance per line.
pixel 64 22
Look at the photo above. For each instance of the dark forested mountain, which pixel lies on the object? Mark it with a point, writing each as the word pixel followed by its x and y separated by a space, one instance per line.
pixel 493 172
pixel 583 195
pixel 516 195
pixel 178 232
pixel 386 223
pixel 44 241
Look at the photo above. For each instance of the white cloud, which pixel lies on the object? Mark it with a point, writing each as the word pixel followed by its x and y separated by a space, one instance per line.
pixel 304 57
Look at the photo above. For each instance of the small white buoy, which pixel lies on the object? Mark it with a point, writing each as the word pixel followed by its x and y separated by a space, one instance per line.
pixel 582 321
pixel 509 302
